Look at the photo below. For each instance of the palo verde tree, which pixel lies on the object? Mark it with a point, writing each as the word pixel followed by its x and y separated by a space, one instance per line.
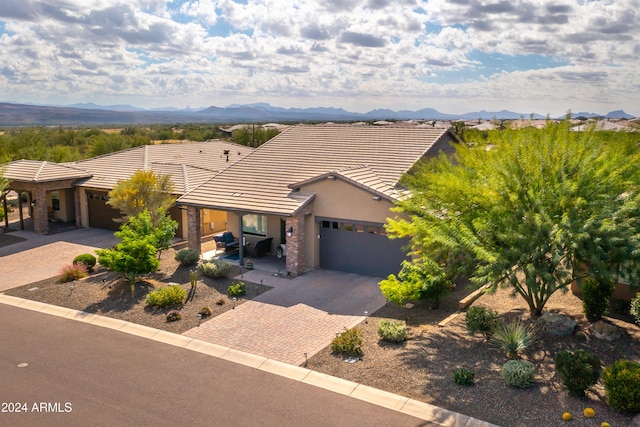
pixel 532 212
pixel 143 190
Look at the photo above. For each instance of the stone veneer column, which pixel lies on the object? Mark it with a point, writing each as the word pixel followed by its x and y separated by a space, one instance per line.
pixel 40 214
pixel 295 243
pixel 193 229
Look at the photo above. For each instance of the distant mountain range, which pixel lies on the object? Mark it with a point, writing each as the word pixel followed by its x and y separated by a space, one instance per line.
pixel 12 114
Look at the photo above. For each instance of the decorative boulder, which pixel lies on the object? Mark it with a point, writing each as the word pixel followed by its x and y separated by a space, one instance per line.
pixel 556 324
pixel 606 331
pixel 635 422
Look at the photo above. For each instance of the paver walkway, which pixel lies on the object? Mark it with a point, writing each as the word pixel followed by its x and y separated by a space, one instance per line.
pixel 298 316
pixel 42 256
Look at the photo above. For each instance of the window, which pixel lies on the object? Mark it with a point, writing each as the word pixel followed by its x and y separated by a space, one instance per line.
pixel 254 224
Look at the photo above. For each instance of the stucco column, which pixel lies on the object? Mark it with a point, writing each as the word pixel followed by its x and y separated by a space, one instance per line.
pixel 40 215
pixel 193 229
pixel 241 242
pixel 77 207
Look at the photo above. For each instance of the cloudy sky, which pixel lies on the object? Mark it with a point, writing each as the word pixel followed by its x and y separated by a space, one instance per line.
pixel 455 56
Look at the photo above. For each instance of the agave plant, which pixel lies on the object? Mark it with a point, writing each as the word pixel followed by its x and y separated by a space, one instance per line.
pixel 513 337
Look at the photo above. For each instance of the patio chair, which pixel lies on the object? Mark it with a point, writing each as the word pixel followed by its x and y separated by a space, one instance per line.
pixel 261 248
pixel 226 241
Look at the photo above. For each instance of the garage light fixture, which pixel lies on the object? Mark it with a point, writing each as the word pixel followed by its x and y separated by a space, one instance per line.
pixel 289 231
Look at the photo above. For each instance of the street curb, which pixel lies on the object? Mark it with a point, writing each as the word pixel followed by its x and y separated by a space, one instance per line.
pixel 405 405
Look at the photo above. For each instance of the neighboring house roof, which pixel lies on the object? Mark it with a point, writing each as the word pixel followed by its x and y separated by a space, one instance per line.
pixel 201 159
pixel 40 171
pixel 599 125
pixel 372 157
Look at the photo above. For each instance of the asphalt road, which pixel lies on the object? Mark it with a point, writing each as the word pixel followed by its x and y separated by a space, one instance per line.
pixel 81 374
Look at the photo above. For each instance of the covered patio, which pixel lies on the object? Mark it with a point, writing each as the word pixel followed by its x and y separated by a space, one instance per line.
pixel 270 263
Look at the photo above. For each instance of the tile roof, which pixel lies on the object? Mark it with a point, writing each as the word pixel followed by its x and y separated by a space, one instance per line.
pixel 188 164
pixel 361 176
pixel 374 157
pixel 40 171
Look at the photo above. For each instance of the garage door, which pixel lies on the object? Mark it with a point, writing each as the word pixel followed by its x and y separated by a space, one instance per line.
pixel 101 215
pixel 359 248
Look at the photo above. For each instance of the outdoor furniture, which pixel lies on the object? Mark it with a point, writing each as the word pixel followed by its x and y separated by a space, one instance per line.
pixel 261 248
pixel 226 241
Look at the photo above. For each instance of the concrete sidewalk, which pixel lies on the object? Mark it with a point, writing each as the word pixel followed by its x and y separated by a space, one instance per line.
pixel 298 316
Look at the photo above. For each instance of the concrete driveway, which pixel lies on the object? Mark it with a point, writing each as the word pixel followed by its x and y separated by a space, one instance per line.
pixel 42 256
pixel 300 315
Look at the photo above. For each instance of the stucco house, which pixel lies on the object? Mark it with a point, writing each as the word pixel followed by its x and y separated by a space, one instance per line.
pixel 320 193
pixel 323 192
pixel 77 192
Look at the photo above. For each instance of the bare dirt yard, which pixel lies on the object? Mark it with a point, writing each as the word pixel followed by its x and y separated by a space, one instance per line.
pixel 420 368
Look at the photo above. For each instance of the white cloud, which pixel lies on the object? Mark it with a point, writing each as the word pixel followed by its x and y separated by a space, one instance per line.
pixel 361 54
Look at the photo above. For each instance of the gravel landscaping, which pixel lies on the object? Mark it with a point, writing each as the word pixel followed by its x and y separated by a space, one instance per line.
pixel 422 366
pixel 419 368
pixel 108 294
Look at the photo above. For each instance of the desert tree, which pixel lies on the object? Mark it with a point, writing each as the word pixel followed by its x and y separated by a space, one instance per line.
pixel 531 212
pixel 136 253
pixel 141 226
pixel 143 190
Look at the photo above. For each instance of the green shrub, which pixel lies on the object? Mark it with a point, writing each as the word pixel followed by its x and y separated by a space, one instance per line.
pixel 187 257
pixel 480 319
pixel 348 342
pixel 392 330
pixel 463 376
pixel 166 296
pixel 578 370
pixel 237 289
pixel 71 272
pixel 635 308
pixel 173 316
pixel 214 268
pixel 622 386
pixel 518 373
pixel 595 298
pixel 87 259
pixel 205 312
pixel 512 337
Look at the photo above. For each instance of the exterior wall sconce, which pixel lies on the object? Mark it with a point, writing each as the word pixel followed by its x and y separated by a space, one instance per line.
pixel 289 231
pixel 331 177
pixel 33 203
pixel 377 198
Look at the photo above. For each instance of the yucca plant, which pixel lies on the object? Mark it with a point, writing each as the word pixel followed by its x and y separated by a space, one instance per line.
pixel 513 337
